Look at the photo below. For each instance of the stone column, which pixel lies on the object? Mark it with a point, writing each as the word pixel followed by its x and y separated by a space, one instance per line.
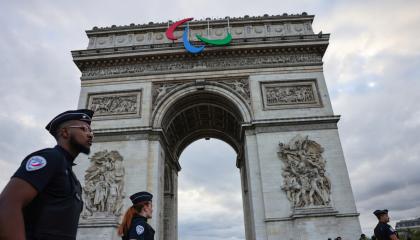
pixel 257 229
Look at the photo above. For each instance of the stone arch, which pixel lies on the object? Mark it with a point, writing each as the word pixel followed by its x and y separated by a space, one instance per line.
pixel 190 112
pixel 277 60
pixel 189 88
pixel 227 112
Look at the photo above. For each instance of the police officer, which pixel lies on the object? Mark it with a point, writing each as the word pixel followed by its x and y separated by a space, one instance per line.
pixel 134 224
pixel 42 200
pixel 383 231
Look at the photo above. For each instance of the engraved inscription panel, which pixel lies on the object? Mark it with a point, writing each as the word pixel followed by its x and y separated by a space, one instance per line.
pixel 118 104
pixel 293 94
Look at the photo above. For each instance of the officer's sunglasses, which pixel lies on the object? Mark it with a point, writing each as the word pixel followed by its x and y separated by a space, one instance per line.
pixel 84 128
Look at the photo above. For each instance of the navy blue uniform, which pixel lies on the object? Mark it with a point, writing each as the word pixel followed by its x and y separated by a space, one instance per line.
pixel 140 229
pixel 383 231
pixel 54 212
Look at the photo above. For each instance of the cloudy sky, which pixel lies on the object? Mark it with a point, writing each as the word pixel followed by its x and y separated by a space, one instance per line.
pixel 372 68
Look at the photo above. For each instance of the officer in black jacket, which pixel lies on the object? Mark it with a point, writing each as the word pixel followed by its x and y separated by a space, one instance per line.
pixel 42 201
pixel 134 224
pixel 383 231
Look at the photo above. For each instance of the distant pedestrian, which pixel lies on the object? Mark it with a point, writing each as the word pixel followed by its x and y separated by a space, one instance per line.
pixel 383 231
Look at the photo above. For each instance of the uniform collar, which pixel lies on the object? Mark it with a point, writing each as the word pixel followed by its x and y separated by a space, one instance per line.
pixel 141 217
pixel 68 156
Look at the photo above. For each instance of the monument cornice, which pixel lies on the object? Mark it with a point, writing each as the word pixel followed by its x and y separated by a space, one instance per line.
pixel 166 61
pixel 177 47
pixel 297 120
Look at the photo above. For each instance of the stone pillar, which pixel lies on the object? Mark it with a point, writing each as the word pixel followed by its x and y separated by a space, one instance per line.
pixel 246 201
pixel 257 229
pixel 155 185
pixel 170 218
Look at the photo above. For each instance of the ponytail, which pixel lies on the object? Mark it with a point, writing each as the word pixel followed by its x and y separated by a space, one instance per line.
pixel 126 222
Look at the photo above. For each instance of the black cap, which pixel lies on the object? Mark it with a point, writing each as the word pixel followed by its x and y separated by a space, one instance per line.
pixel 141 197
pixel 380 212
pixel 81 115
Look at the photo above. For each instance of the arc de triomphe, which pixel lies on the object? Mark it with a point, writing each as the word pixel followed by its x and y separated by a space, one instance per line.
pixel 264 94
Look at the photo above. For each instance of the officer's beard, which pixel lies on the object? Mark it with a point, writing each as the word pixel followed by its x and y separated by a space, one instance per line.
pixel 79 147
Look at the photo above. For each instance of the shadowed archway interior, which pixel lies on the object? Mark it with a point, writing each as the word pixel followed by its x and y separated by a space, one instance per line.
pixel 202 115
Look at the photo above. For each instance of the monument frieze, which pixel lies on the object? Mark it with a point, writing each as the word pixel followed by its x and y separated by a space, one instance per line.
pixel 290 94
pixel 115 104
pixel 273 59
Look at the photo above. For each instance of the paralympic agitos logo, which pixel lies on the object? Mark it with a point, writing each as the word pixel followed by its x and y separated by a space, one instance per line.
pixel 185 37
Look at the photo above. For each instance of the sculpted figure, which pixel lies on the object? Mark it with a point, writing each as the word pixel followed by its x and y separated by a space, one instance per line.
pixel 101 192
pixel 291 186
pixel 161 91
pixel 239 87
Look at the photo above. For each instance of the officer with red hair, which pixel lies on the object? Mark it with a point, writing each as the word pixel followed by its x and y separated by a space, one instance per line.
pixel 134 224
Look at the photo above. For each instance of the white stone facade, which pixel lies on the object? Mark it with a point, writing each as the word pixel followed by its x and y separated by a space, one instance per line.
pixel 264 89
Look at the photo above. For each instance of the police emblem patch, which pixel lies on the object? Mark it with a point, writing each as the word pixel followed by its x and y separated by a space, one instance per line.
pixel 35 163
pixel 139 230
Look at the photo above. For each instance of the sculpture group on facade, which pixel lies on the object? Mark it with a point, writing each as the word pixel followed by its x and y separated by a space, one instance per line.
pixel 304 179
pixel 103 191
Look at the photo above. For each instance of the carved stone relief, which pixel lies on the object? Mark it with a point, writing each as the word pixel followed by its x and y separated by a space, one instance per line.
pixel 304 179
pixel 159 90
pixel 158 67
pixel 104 182
pixel 290 95
pixel 240 86
pixel 111 104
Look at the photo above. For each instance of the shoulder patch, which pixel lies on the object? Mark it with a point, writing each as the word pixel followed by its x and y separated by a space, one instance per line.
pixel 35 163
pixel 139 229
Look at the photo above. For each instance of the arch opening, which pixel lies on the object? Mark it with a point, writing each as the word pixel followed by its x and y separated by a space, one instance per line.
pixel 189 117
pixel 210 190
pixel 202 115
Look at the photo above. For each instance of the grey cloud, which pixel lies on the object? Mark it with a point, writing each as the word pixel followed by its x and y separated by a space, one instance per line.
pixel 219 165
pixel 210 165
pixel 379 130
